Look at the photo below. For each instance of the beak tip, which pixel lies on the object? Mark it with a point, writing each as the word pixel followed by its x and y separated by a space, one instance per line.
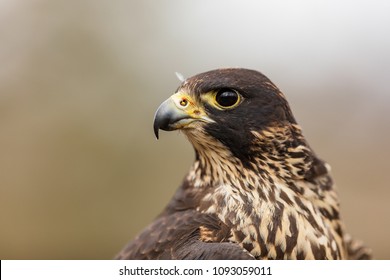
pixel 156 131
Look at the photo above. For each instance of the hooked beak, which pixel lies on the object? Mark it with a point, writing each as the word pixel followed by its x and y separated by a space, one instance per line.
pixel 178 112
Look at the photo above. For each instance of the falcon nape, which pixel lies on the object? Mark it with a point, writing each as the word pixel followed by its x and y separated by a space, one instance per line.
pixel 256 189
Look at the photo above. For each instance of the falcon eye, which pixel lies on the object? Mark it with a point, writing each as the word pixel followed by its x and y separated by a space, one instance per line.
pixel 227 98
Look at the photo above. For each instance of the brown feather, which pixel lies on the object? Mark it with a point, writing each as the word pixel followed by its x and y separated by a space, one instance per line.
pixel 256 188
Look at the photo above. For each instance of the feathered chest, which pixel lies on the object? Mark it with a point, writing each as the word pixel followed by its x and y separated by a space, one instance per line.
pixel 278 221
pixel 280 204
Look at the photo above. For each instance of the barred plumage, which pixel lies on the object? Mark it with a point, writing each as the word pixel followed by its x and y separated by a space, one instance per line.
pixel 256 189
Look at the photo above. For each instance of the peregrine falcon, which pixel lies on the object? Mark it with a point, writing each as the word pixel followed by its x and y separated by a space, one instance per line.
pixel 256 189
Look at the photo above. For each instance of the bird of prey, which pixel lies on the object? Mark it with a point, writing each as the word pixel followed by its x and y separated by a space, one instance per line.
pixel 256 189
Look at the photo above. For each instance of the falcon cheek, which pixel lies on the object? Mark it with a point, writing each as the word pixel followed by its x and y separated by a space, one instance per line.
pixel 178 112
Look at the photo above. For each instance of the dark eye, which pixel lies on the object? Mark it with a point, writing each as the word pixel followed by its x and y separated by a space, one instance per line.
pixel 227 98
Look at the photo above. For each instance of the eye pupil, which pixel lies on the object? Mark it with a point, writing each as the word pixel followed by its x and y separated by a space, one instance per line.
pixel 227 98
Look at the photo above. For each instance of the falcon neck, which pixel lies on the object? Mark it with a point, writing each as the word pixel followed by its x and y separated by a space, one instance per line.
pixel 281 157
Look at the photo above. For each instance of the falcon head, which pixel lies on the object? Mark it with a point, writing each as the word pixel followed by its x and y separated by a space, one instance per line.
pixel 226 109
pixel 255 183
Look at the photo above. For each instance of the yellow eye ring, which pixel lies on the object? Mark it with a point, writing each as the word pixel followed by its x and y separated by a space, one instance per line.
pixel 227 98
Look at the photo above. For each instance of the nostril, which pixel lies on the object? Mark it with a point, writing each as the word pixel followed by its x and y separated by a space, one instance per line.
pixel 183 102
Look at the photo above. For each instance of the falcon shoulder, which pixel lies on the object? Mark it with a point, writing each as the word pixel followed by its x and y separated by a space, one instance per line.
pixel 184 235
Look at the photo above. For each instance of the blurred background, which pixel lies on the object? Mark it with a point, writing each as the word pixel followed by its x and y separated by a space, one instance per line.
pixel 80 169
